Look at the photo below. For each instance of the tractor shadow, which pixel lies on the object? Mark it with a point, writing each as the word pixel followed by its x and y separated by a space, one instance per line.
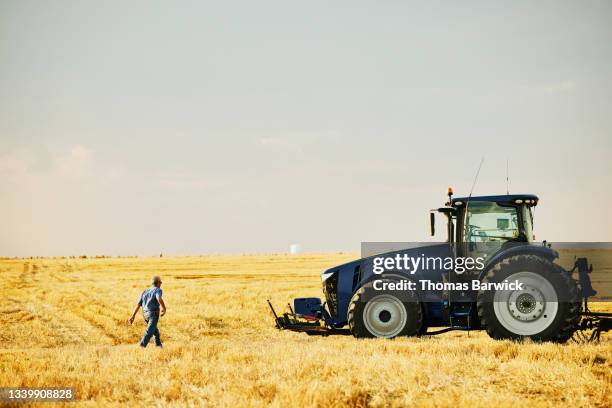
pixel 330 332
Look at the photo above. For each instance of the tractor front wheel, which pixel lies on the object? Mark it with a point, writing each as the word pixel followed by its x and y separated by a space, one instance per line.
pixel 374 313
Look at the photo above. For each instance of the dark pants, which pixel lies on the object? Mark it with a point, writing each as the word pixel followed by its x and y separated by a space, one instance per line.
pixel 151 318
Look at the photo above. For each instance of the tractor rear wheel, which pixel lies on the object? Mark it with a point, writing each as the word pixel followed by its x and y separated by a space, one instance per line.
pixel 545 309
pixel 384 313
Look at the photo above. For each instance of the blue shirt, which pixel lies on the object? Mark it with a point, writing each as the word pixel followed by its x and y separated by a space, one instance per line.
pixel 148 299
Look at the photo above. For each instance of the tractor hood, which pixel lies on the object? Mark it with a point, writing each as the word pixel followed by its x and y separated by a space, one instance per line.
pixel 340 282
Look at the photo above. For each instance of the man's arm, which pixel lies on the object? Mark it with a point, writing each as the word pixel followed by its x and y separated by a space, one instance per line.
pixel 161 303
pixel 131 319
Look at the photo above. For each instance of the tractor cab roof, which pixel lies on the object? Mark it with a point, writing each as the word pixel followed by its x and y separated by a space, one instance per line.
pixel 529 199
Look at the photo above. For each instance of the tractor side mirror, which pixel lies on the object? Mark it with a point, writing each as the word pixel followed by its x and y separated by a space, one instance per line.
pixel 432 223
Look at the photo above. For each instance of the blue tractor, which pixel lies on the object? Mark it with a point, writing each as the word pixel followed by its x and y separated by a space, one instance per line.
pixel 547 305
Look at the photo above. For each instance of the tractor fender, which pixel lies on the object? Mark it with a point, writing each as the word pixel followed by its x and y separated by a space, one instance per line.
pixel 393 277
pixel 521 249
pixel 389 276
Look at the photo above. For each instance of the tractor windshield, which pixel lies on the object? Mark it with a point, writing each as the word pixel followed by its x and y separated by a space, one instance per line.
pixel 489 222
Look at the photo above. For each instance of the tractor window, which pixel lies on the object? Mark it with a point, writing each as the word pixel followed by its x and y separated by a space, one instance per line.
pixel 488 222
pixel 527 222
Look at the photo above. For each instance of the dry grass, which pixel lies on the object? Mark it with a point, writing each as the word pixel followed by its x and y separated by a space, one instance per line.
pixel 63 324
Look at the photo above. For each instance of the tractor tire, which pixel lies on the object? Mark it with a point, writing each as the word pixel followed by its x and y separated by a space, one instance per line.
pixel 424 326
pixel 384 313
pixel 547 309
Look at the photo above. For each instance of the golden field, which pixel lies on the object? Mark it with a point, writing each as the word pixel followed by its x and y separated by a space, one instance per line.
pixel 63 323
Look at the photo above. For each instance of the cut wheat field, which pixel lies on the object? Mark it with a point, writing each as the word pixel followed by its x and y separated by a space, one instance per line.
pixel 63 323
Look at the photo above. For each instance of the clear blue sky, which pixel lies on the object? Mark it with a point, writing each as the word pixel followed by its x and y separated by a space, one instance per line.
pixel 229 127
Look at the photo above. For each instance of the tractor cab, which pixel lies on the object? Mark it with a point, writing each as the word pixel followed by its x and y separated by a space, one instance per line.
pixel 487 224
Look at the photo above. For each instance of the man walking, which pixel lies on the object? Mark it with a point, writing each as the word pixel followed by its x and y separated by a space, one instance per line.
pixel 150 301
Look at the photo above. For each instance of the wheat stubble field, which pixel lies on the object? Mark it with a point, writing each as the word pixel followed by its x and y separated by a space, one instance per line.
pixel 62 323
